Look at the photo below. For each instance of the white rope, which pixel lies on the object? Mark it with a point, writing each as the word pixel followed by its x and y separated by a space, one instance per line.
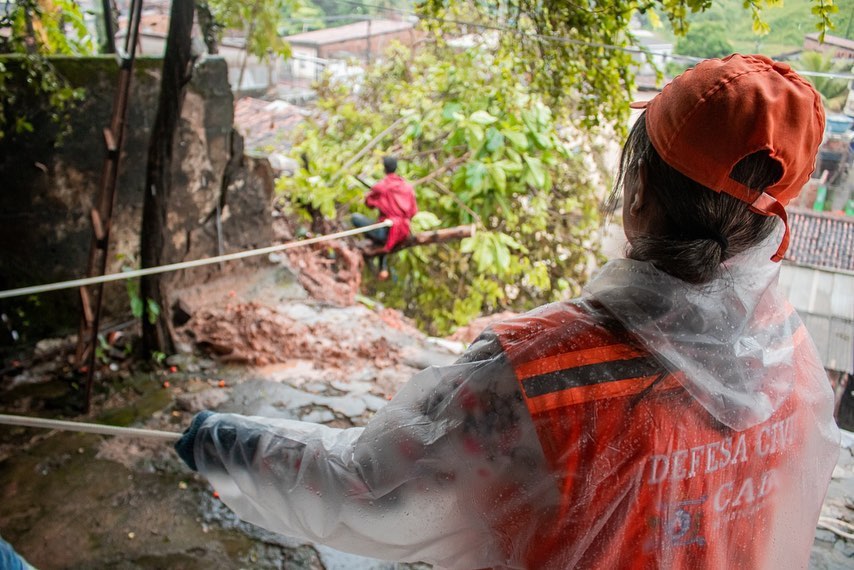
pixel 74 283
pixel 828 523
pixel 88 428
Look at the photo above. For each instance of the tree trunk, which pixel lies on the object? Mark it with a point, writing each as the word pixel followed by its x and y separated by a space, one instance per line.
pixel 177 70
pixel 207 26
pixel 424 238
pixel 250 31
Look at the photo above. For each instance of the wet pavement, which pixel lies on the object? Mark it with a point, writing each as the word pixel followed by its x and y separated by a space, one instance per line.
pixel 831 551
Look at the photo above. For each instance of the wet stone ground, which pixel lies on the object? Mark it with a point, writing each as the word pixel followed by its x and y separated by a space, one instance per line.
pixel 831 551
pixel 70 500
pixel 77 501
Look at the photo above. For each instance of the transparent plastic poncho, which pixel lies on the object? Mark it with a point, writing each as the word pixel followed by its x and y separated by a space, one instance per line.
pixel 725 468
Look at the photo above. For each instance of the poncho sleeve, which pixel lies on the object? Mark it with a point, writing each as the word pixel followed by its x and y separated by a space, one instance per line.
pixel 431 478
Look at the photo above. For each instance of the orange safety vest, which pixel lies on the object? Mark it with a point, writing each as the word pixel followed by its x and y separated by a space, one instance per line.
pixel 647 477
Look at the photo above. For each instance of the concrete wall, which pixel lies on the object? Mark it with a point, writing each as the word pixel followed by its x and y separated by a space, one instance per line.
pixel 304 62
pixel 311 61
pixel 48 190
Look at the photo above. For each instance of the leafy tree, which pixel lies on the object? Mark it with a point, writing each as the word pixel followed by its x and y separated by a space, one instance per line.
pixel 564 46
pixel 705 40
pixel 360 8
pixel 481 147
pixel 833 91
pixel 782 26
pixel 478 132
pixel 33 30
pixel 304 16
pixel 259 20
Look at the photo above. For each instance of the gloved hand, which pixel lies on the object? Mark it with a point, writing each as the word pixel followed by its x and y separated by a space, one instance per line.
pixel 186 444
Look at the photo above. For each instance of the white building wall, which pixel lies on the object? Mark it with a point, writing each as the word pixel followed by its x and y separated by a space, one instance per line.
pixel 304 62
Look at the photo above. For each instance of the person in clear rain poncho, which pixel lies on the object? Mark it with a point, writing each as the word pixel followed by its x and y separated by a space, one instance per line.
pixel 675 416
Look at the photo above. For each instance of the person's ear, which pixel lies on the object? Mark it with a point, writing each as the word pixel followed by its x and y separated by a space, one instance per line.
pixel 639 195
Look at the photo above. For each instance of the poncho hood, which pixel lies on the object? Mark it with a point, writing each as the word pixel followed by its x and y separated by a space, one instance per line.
pixel 730 342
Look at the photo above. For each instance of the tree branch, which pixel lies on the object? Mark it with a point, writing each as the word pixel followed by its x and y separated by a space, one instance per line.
pixel 425 238
pixel 456 199
pixel 365 149
pixel 438 172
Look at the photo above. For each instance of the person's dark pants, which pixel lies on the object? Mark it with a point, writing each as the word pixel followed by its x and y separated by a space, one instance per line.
pixel 379 235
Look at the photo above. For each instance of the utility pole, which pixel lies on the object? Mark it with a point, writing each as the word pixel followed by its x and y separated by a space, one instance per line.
pixel 102 214
pixel 368 51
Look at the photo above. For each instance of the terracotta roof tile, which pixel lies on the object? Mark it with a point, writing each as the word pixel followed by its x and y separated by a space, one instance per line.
pixel 266 125
pixel 821 240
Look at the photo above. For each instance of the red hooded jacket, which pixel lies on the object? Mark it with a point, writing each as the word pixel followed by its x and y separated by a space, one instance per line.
pixel 395 200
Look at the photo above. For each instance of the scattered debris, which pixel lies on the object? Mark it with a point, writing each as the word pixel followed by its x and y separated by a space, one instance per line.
pixel 255 334
pixel 329 271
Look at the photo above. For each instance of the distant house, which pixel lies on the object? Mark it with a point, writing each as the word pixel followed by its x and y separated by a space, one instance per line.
pixel 836 47
pixel 817 277
pixel 311 52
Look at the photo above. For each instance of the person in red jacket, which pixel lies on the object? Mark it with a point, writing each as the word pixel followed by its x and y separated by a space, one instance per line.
pixel 395 200
pixel 676 416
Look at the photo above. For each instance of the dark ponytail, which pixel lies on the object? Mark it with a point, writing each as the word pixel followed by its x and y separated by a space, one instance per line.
pixel 700 228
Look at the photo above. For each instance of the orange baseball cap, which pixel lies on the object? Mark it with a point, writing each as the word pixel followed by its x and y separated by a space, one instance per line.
pixel 722 110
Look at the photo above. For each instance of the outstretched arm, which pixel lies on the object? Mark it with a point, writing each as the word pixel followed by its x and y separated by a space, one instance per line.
pixel 430 478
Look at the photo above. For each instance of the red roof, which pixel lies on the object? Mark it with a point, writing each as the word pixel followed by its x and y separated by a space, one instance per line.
pixel 266 125
pixel 833 40
pixel 821 240
pixel 356 31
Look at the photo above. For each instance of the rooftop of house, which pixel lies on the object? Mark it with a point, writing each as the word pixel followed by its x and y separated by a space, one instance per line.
pixel 266 125
pixel 356 31
pixel 832 40
pixel 821 240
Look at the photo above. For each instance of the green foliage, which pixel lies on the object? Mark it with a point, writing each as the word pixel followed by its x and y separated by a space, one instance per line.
pixel 34 30
pixel 339 9
pixel 261 21
pixel 140 307
pixel 303 16
pixel 477 132
pixel 707 39
pixel 593 81
pixel 704 39
pixel 47 28
pixel 481 147
pixel 102 350
pixel 777 27
pixel 562 46
pixel 833 91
